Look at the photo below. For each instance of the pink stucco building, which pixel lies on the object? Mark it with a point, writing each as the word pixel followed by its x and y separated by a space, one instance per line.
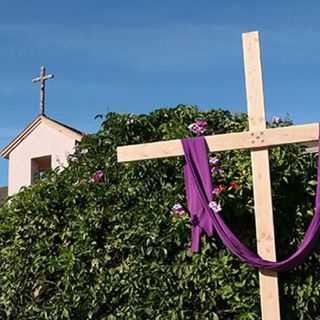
pixel 44 144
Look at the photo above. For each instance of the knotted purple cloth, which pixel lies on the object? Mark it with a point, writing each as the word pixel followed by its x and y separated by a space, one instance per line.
pixel 199 188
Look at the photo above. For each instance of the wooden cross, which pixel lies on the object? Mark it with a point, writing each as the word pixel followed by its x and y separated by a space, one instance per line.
pixel 42 79
pixel 258 139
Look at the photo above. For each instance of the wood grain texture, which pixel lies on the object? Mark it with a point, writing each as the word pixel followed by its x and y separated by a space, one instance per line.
pixel 255 139
pixel 269 292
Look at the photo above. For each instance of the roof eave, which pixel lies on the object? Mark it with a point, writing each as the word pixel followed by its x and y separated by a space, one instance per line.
pixel 5 152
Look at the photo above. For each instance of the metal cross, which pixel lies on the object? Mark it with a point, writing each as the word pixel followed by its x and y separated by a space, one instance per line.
pixel 42 78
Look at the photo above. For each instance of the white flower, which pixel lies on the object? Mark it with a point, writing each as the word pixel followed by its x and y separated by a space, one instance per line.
pixel 214 161
pixel 131 121
pixel 177 209
pixel 276 120
pixel 216 207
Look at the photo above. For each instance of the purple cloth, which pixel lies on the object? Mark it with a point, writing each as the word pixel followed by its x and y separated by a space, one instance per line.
pixel 199 188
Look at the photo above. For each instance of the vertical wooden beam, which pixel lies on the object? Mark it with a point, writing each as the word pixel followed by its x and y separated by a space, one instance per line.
pixel 269 293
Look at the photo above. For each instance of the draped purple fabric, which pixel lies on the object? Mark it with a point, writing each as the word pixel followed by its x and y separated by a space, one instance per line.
pixel 199 188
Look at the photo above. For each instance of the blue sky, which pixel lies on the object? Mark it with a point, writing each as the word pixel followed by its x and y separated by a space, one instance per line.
pixel 135 56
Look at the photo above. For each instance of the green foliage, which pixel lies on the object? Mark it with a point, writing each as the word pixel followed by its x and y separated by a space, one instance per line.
pixel 74 249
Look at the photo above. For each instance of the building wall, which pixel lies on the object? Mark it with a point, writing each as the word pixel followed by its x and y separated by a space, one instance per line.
pixel 43 141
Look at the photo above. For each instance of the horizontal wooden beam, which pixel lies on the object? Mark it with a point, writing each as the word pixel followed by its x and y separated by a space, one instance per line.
pixel 223 142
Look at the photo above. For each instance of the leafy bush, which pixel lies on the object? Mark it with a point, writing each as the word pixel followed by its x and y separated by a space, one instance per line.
pixel 77 247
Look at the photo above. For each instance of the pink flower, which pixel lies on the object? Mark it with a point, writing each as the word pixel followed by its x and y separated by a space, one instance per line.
pixel 97 177
pixel 198 127
pixel 216 207
pixel 233 185
pixel 201 123
pixel 178 209
pixel 218 189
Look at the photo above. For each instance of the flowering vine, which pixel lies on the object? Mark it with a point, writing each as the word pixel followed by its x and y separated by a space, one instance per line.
pixel 199 127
